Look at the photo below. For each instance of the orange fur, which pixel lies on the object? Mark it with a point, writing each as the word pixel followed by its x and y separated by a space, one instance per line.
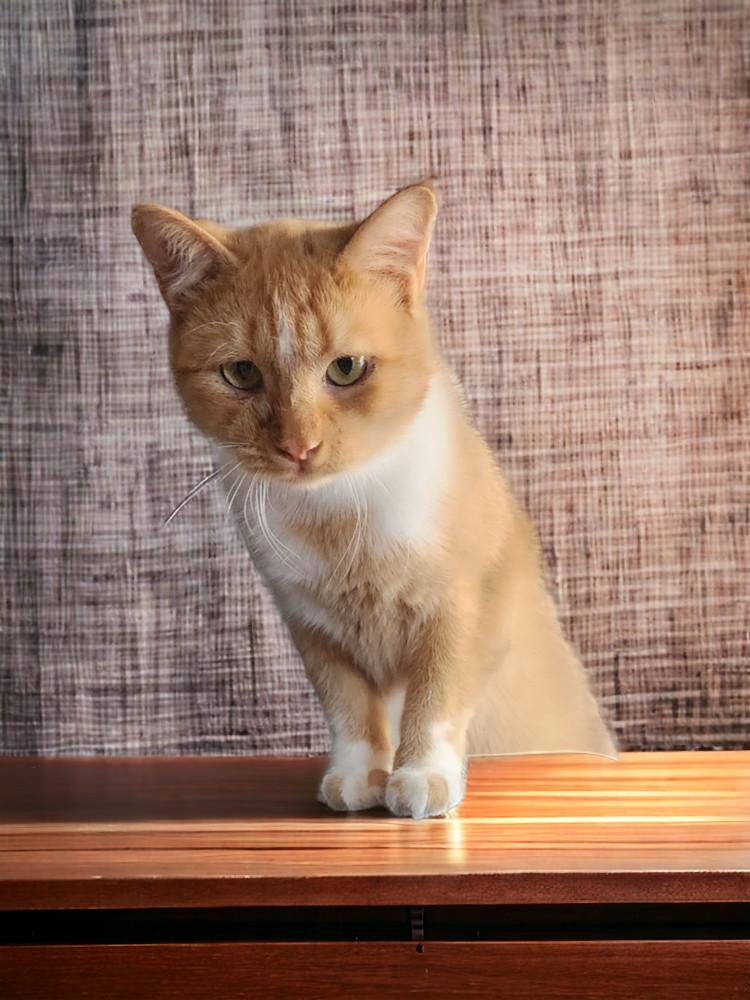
pixel 406 571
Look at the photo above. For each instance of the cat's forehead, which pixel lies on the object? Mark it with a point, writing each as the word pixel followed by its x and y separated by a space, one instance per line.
pixel 288 288
pixel 299 325
pixel 289 304
pixel 283 318
pixel 286 245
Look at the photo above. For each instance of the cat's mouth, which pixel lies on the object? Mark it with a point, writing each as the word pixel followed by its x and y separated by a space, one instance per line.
pixel 300 470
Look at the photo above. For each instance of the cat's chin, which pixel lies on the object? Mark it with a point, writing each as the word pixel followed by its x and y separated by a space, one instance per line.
pixel 300 478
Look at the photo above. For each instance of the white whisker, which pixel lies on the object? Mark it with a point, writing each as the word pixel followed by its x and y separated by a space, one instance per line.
pixel 355 541
pixel 228 470
pixel 280 550
pixel 221 349
pixel 235 487
pixel 248 491
pixel 195 490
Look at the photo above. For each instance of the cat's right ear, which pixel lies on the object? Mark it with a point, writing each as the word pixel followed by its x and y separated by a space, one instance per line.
pixel 181 251
pixel 393 242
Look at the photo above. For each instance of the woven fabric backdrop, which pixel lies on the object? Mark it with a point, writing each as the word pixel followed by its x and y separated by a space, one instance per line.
pixel 589 278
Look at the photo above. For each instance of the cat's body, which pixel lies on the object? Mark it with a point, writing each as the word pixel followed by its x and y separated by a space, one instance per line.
pixel 405 570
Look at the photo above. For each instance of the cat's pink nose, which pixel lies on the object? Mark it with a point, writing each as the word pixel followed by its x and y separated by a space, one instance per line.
pixel 298 451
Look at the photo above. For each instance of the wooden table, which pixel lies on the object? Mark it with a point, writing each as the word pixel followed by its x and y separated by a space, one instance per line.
pixel 558 877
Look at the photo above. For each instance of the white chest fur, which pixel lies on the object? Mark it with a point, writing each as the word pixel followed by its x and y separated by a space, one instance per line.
pixel 399 491
pixel 394 500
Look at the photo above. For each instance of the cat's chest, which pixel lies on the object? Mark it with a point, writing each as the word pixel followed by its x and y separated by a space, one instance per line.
pixel 329 542
pixel 392 506
pixel 353 576
pixel 353 556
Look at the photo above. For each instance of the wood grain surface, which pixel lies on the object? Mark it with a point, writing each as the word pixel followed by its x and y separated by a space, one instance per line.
pixel 557 970
pixel 206 832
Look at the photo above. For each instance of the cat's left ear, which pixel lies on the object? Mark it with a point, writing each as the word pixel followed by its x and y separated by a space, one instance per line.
pixel 394 240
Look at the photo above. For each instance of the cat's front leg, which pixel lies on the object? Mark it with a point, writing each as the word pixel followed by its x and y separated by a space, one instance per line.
pixel 361 755
pixel 431 780
pixel 357 774
pixel 429 770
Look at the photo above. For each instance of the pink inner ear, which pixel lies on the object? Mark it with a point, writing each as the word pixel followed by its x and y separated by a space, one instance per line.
pixel 394 240
pixel 180 252
pixel 187 261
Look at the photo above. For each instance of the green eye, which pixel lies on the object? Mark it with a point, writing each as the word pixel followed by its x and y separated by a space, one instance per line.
pixel 242 375
pixel 346 371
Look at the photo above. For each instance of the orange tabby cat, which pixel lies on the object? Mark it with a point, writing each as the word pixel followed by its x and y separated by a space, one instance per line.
pixel 405 570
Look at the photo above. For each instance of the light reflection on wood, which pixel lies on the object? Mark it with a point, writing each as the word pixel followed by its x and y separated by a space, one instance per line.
pixel 209 821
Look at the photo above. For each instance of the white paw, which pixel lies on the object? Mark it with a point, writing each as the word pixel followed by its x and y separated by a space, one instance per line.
pixel 422 790
pixel 356 776
pixel 350 791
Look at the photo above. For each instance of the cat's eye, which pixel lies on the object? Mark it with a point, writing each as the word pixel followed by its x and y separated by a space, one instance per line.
pixel 346 371
pixel 242 375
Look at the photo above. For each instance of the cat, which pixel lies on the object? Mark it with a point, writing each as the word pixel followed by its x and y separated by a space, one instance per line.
pixel 407 573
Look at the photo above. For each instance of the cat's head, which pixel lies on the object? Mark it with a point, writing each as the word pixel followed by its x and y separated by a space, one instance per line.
pixel 303 346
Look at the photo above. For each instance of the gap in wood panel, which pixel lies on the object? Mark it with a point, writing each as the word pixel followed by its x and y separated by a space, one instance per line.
pixel 704 921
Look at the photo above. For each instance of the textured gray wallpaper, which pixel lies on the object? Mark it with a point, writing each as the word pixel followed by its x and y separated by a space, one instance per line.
pixel 589 278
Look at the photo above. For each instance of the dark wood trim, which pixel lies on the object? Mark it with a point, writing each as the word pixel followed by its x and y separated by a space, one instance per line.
pixel 554 970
